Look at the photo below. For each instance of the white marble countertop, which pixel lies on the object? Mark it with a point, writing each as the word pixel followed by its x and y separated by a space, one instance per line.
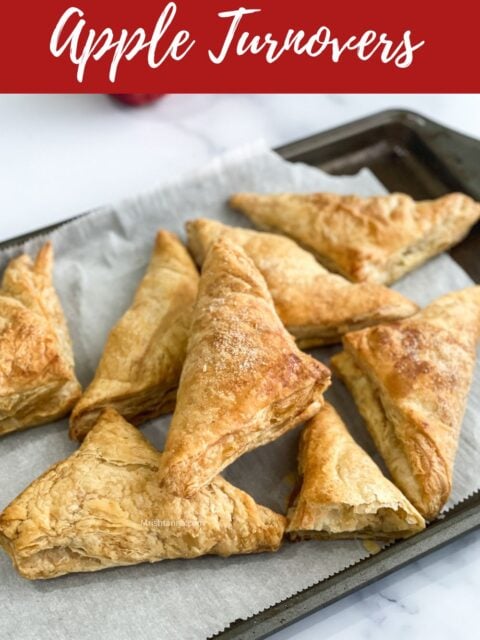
pixel 61 155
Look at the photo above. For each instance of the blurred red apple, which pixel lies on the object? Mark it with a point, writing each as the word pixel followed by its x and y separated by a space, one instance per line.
pixel 136 99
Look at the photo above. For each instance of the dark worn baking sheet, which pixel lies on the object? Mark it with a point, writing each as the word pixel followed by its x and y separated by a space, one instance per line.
pixel 408 153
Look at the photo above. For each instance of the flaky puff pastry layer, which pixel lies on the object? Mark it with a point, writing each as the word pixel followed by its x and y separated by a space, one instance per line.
pixel 410 381
pixel 375 239
pixel 343 494
pixel 316 306
pixel 244 382
pixel 37 378
pixel 140 366
pixel 103 507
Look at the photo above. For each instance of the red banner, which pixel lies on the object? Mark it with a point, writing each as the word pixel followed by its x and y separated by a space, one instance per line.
pixel 238 46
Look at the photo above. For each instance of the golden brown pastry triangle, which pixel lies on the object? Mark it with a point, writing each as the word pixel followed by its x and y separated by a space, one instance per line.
pixel 410 381
pixel 140 367
pixel 102 507
pixel 375 239
pixel 244 382
pixel 316 306
pixel 37 377
pixel 343 494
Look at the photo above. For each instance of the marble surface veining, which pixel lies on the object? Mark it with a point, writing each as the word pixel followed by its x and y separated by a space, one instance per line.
pixel 60 155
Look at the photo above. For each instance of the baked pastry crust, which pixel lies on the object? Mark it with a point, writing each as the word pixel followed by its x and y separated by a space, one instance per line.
pixel 244 382
pixel 376 239
pixel 410 381
pixel 37 377
pixel 343 493
pixel 102 507
pixel 142 360
pixel 316 306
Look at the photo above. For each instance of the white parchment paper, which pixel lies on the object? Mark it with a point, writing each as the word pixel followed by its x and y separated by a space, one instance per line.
pixel 99 261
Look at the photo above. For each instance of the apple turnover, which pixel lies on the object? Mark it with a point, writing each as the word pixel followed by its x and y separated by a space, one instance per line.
pixel 103 507
pixel 376 239
pixel 244 382
pixel 410 381
pixel 37 377
pixel 343 494
pixel 140 367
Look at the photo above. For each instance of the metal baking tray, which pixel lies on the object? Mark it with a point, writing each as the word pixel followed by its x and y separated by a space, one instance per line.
pixel 409 153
